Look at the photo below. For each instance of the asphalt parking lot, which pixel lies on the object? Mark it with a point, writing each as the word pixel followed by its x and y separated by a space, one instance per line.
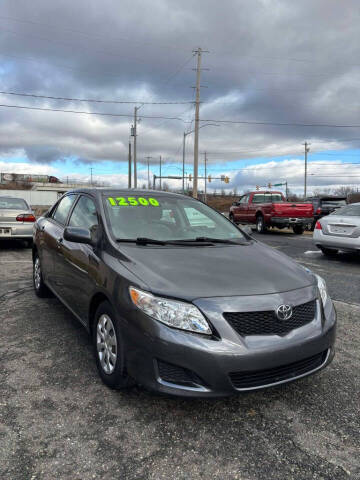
pixel 58 421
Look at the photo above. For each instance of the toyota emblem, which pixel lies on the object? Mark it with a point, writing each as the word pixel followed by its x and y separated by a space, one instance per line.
pixel 284 312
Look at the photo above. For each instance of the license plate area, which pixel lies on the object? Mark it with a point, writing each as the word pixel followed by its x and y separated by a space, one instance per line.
pixel 340 230
pixel 5 231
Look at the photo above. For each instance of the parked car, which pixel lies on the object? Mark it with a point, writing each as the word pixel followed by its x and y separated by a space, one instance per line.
pixel 324 205
pixel 16 219
pixel 270 209
pixel 339 231
pixel 179 305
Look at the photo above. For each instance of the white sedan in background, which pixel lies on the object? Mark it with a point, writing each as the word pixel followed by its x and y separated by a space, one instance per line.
pixel 16 219
pixel 339 231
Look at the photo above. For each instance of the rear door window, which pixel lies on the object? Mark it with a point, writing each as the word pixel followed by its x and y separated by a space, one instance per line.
pixel 259 198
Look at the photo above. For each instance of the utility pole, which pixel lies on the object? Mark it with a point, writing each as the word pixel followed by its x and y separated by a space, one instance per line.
pixel 286 190
pixel 205 196
pixel 183 165
pixel 135 135
pixel 198 52
pixel 307 149
pixel 148 170
pixel 129 166
pixel 91 176
pixel 160 172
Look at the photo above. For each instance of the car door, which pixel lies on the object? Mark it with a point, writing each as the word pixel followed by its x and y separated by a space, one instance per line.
pixel 253 206
pixel 240 214
pixel 79 262
pixel 51 234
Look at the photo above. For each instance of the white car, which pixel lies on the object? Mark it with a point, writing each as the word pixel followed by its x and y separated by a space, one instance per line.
pixel 339 231
pixel 16 219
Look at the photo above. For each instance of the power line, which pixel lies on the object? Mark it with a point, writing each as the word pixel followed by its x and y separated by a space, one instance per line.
pixel 182 120
pixel 93 100
pixel 90 113
pixel 279 124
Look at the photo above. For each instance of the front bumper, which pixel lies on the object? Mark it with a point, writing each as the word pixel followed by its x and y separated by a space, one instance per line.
pixel 153 348
pixel 289 221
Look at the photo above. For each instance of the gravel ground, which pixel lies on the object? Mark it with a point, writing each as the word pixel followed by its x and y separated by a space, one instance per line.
pixel 58 421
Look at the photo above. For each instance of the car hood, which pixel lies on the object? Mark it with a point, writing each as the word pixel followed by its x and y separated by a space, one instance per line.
pixel 218 271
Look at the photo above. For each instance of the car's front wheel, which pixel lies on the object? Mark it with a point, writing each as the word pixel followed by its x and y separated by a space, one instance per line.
pixel 231 218
pixel 329 252
pixel 40 288
pixel 108 347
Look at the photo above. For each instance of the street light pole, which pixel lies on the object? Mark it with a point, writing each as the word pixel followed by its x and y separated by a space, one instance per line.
pixel 183 164
pixel 205 196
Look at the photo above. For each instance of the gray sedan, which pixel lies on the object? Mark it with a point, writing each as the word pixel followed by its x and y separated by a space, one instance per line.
pixel 16 219
pixel 339 231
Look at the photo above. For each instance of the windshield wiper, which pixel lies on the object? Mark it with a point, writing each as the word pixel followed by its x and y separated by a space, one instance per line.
pixel 215 240
pixel 153 241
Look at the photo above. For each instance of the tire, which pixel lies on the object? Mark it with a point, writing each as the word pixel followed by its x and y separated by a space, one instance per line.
pixel 329 252
pixel 28 243
pixel 41 290
pixel 260 224
pixel 108 347
pixel 231 218
pixel 298 229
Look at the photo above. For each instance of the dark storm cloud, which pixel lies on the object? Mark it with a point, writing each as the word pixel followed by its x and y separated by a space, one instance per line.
pixel 269 60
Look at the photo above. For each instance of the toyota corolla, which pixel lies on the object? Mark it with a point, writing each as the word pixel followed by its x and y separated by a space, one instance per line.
pixel 179 299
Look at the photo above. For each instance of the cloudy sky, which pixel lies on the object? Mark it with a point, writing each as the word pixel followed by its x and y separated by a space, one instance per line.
pixel 268 62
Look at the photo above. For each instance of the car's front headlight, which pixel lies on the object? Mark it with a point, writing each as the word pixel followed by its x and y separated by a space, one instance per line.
pixel 322 288
pixel 173 313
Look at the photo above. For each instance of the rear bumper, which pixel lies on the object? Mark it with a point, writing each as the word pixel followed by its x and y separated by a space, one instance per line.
pixel 290 221
pixel 12 231
pixel 338 242
pixel 216 365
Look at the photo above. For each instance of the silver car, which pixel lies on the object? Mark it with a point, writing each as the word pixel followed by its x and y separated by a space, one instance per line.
pixel 339 231
pixel 16 219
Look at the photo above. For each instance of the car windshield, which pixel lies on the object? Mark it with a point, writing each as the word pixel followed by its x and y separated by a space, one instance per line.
pixel 348 210
pixel 333 203
pixel 13 204
pixel 165 218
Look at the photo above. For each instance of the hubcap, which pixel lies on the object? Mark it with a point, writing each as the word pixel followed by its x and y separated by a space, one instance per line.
pixel 106 343
pixel 259 225
pixel 37 273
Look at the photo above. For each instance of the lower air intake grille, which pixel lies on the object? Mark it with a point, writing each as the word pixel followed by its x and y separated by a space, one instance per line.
pixel 178 375
pixel 266 323
pixel 260 378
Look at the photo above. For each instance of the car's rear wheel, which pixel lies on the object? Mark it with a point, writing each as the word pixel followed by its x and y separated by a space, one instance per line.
pixel 298 229
pixel 329 252
pixel 109 350
pixel 40 288
pixel 260 224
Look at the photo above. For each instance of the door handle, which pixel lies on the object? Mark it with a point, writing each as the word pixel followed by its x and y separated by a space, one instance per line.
pixel 59 241
pixel 43 228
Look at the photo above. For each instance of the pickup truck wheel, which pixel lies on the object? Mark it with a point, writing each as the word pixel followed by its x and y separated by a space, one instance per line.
pixel 298 229
pixel 260 224
pixel 329 252
pixel 231 218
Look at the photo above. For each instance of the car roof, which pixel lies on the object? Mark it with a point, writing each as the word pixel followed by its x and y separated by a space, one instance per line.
pixel 126 191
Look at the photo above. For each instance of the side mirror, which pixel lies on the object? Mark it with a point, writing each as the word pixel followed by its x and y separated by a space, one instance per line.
pixel 78 235
pixel 247 229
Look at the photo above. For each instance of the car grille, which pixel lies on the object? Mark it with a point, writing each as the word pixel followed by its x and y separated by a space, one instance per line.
pixel 243 380
pixel 178 375
pixel 266 323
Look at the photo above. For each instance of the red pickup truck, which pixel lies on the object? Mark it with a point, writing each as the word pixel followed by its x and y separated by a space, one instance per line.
pixel 270 209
